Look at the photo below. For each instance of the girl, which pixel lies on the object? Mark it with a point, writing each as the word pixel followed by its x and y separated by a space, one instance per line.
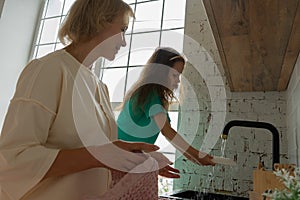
pixel 144 110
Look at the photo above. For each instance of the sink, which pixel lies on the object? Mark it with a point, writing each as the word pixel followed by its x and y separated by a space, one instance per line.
pixel 190 194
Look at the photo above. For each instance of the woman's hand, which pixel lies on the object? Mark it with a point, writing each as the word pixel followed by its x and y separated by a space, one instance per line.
pixel 136 146
pixel 169 172
pixel 119 155
pixel 164 163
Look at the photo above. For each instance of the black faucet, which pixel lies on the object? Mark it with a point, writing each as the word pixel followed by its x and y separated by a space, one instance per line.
pixel 254 124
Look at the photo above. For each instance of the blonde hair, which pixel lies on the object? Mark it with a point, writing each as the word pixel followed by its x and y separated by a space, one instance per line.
pixel 87 17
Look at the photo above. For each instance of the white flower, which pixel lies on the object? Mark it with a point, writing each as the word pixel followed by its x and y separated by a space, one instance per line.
pixel 292 184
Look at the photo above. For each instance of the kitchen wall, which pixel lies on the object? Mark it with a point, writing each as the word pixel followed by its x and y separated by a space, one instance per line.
pixel 207 105
pixel 293 115
pixel 17 27
pixel 206 101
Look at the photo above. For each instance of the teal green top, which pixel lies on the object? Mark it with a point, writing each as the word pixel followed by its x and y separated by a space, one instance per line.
pixel 139 125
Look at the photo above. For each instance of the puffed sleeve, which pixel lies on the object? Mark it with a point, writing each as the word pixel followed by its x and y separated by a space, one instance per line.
pixel 24 157
pixel 154 106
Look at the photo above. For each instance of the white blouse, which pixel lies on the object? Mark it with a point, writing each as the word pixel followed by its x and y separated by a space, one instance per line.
pixel 58 104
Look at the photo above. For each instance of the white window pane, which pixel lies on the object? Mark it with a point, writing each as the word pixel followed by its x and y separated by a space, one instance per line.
pixel 138 1
pixel 148 16
pixel 174 14
pixel 143 46
pixel 130 1
pixel 174 119
pixel 68 4
pixel 145 41
pixel 43 50
pixel 133 75
pixel 54 8
pixel 114 78
pixel 173 39
pixel 50 30
pixel 140 57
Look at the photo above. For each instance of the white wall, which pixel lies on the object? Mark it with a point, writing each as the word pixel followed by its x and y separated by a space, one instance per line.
pixel 244 145
pixel 293 115
pixel 17 28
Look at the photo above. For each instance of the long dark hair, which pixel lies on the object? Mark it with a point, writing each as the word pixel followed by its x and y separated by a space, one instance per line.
pixel 154 78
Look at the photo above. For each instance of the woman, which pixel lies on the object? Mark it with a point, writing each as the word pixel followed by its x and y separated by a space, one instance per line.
pixel 144 111
pixel 56 138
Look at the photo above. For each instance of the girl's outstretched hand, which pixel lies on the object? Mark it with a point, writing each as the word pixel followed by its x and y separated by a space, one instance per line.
pixel 200 158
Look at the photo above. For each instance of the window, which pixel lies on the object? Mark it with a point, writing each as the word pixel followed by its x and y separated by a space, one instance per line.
pixel 158 23
pixel 52 16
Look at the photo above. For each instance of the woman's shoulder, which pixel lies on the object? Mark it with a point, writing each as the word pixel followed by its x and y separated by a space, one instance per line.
pixel 58 58
pixel 46 68
pixel 54 63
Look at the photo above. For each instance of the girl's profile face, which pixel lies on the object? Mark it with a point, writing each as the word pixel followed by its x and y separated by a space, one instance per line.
pixel 174 75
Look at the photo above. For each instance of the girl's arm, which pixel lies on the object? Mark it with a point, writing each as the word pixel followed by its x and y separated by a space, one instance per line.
pixel 179 143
